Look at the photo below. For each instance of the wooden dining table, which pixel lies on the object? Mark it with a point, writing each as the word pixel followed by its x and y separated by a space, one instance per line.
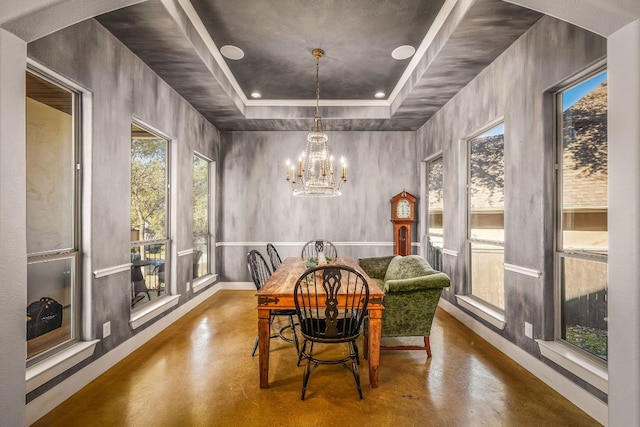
pixel 277 293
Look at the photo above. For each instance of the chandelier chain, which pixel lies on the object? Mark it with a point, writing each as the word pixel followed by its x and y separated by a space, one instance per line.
pixel 318 54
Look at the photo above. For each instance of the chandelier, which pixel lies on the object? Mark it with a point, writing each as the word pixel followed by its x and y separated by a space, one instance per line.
pixel 315 175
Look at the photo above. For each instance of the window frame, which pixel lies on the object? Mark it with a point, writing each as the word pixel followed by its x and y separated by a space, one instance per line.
pixel 166 239
pixel 484 305
pixel 434 258
pixel 75 251
pixel 208 235
pixel 558 251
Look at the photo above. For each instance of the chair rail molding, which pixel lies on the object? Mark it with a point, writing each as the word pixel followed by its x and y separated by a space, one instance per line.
pixel 219 244
pixel 523 270
pixel 185 252
pixel 103 272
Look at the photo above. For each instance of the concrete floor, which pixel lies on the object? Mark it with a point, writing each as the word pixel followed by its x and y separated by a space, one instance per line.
pixel 199 372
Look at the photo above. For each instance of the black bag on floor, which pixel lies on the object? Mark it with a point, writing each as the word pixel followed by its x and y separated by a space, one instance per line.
pixel 43 316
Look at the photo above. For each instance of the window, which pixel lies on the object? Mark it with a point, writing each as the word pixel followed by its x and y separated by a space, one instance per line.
pixel 435 203
pixel 53 220
pixel 149 216
pixel 582 237
pixel 486 216
pixel 201 226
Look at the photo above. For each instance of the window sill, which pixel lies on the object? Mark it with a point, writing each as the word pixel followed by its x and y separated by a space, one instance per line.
pixel 201 282
pixel 51 367
pixel 152 309
pixel 579 365
pixel 483 311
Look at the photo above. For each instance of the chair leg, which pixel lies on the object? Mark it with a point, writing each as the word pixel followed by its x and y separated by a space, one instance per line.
pixel 354 367
pixel 356 352
pixel 295 336
pixel 305 378
pixel 301 352
pixel 307 369
pixel 255 347
pixel 427 345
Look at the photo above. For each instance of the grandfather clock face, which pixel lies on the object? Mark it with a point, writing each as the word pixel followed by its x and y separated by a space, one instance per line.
pixel 402 216
pixel 403 209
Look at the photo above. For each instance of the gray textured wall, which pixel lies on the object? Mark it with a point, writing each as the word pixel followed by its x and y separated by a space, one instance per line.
pixel 517 86
pixel 257 205
pixel 123 88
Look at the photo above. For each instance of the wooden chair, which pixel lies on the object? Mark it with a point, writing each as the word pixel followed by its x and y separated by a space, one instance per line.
pixel 312 248
pixel 273 256
pixel 331 303
pixel 260 273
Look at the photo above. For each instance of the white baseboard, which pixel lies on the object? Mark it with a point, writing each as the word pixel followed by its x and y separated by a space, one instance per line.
pixel 584 400
pixel 47 401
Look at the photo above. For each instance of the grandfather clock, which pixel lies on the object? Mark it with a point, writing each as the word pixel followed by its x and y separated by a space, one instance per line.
pixel 403 216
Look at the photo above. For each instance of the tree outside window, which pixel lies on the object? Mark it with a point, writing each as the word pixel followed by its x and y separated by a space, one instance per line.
pixel 149 213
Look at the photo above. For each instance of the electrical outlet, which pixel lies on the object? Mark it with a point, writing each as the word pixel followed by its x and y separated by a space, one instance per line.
pixel 528 330
pixel 188 286
pixel 106 329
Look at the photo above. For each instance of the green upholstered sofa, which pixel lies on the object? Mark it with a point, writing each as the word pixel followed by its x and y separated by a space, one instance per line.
pixel 412 290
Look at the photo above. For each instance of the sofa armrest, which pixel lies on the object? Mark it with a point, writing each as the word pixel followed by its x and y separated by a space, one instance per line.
pixel 430 281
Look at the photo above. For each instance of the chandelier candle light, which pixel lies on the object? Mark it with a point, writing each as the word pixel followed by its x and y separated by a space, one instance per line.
pixel 315 175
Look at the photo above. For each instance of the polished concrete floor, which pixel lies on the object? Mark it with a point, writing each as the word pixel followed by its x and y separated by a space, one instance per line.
pixel 199 372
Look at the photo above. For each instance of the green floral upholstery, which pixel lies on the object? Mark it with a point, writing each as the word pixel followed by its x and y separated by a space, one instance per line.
pixel 412 290
pixel 376 268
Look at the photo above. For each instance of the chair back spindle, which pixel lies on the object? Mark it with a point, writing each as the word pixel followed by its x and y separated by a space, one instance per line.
pixel 273 256
pixel 313 248
pixel 258 268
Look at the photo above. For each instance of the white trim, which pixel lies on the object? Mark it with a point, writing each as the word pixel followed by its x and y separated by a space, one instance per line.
pixel 141 123
pixel 86 217
pixel 200 28
pixel 450 252
pixel 152 310
pixel 584 400
pixel 434 30
pixel 219 244
pixel 185 252
pixel 483 311
pixel 321 103
pixel 487 127
pixel 103 272
pixel 201 282
pixel 46 402
pixel 434 156
pixel 523 270
pixel 53 366
pixel 584 368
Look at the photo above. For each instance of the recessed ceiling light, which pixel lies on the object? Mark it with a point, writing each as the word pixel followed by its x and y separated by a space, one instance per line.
pixel 256 95
pixel 232 52
pixel 403 52
pixel 380 95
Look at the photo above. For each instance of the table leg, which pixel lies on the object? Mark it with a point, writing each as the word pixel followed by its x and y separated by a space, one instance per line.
pixel 264 327
pixel 375 328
